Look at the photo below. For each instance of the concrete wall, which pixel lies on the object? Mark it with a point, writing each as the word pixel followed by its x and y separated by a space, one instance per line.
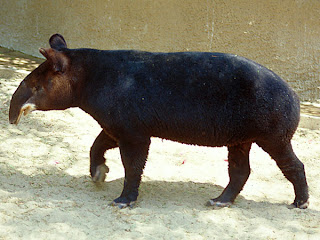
pixel 282 35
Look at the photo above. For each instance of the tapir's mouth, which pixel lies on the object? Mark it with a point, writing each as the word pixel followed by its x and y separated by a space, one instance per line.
pixel 21 102
pixel 25 109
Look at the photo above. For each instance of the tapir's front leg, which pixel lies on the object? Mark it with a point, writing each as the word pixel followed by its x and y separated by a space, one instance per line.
pixel 134 156
pixel 98 169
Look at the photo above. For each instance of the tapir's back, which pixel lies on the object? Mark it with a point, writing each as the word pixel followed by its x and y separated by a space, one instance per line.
pixel 209 99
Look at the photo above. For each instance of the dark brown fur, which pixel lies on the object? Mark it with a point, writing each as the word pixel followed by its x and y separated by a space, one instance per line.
pixel 209 99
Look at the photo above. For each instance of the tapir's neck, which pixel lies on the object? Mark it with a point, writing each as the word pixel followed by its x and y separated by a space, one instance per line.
pixel 93 71
pixel 84 67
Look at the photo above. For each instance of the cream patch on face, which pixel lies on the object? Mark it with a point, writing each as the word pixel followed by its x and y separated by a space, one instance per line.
pixel 26 109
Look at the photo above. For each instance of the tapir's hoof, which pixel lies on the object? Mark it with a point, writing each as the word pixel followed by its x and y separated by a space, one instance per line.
pixel 100 174
pixel 122 202
pixel 217 204
pixel 299 205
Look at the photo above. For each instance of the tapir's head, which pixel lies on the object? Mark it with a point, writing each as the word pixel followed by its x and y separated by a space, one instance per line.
pixel 48 87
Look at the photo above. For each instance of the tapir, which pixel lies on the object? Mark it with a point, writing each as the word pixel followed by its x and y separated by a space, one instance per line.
pixel 200 98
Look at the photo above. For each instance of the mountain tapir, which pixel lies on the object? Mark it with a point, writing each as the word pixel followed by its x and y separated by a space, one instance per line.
pixel 200 98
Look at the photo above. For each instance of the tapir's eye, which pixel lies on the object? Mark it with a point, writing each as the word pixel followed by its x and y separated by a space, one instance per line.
pixel 37 87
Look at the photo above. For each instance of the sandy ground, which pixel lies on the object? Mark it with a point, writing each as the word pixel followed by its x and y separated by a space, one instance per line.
pixel 46 191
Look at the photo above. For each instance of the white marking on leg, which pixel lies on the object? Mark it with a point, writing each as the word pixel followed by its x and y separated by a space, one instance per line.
pixel 100 174
pixel 218 204
pixel 304 206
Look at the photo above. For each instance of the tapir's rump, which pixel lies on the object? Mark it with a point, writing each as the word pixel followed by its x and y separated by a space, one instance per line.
pixel 201 98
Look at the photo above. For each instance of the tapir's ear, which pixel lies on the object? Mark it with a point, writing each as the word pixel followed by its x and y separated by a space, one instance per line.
pixel 57 42
pixel 59 60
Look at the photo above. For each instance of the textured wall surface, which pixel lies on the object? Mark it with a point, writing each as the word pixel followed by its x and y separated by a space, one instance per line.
pixel 282 35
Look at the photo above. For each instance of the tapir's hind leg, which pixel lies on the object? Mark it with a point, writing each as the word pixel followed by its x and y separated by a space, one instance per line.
pixel 239 171
pixel 291 167
pixel 98 169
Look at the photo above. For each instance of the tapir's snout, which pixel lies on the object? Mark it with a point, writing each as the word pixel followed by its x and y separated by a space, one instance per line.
pixel 20 103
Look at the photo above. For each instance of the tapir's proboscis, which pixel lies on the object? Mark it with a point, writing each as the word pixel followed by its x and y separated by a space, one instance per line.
pixel 200 98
